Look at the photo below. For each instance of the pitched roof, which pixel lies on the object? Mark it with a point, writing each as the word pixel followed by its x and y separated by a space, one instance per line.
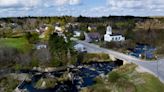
pixel 94 35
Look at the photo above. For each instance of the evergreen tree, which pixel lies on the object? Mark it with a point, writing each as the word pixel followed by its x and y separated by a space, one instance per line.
pixel 82 36
pixel 61 50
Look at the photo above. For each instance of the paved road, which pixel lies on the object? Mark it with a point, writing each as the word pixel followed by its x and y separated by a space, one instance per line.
pixel 147 66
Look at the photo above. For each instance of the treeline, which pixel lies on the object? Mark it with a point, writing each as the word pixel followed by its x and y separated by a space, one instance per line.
pixel 67 19
pixel 22 20
pixel 82 19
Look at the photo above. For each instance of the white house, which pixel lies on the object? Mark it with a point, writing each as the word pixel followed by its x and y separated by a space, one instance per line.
pixel 42 29
pixel 112 37
pixel 41 46
pixel 76 33
pixel 58 29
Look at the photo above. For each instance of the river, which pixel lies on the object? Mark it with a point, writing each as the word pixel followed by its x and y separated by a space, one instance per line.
pixel 82 76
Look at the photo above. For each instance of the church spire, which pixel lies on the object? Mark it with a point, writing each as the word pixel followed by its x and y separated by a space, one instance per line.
pixel 109 30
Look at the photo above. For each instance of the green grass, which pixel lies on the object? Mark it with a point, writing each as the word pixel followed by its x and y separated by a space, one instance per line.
pixel 19 43
pixel 94 57
pixel 152 84
pixel 127 79
pixel 144 82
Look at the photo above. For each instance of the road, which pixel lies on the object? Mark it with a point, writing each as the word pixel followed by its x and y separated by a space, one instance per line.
pixel 146 66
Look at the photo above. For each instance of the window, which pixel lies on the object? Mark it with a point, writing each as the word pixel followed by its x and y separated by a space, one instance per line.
pixel 116 38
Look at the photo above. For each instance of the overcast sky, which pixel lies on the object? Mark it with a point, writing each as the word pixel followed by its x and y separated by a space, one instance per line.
pixel 81 7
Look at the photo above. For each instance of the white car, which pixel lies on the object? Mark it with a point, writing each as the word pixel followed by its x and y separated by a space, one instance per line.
pixel 80 48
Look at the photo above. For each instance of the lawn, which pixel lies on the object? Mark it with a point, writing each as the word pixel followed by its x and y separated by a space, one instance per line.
pixel 19 43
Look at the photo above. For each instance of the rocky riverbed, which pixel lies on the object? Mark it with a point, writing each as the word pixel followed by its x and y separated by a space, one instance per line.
pixel 71 79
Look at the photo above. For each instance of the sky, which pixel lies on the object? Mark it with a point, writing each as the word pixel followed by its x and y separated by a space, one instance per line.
pixel 92 8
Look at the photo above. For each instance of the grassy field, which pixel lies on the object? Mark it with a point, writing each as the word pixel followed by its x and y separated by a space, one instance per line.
pixel 152 84
pixel 19 43
pixel 126 79
pixel 92 57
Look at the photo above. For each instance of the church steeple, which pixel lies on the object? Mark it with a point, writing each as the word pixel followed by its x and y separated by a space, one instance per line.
pixel 109 30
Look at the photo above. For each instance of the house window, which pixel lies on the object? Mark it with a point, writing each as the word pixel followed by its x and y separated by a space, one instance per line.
pixel 116 38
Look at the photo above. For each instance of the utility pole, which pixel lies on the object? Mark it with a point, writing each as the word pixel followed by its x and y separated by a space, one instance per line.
pixel 157 67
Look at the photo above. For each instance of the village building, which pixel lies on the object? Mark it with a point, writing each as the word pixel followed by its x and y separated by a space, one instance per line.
pixel 42 29
pixel 41 46
pixel 58 28
pixel 76 33
pixel 92 27
pixel 94 36
pixel 3 25
pixel 109 36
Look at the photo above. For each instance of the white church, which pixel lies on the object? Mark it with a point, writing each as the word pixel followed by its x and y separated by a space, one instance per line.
pixel 108 37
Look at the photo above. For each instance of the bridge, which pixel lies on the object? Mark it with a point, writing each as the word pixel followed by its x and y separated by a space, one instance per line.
pixel 153 67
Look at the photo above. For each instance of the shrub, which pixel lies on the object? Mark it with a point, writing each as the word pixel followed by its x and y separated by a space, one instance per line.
pixel 128 68
pixel 160 50
pixel 34 63
pixel 17 67
pixel 114 76
pixel 121 82
pixel 8 56
pixel 42 55
pixel 8 84
pixel 99 80
pixel 82 36
pixel 32 37
pixel 55 63
pixel 49 83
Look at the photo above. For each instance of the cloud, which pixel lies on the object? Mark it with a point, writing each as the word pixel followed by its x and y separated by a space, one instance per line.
pixel 30 7
pixel 152 5
pixel 81 7
pixel 127 7
pixel 74 2
pixel 18 3
pixel 36 3
pixel 69 2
